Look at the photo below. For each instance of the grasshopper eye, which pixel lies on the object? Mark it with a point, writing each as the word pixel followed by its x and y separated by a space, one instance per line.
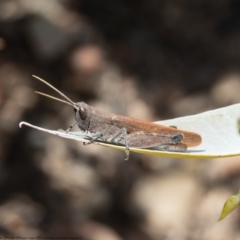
pixel 82 113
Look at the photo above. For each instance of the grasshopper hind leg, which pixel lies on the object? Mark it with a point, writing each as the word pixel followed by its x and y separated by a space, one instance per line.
pixel 161 142
pixel 171 148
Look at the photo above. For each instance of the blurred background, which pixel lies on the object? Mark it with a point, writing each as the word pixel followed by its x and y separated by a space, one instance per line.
pixel 151 60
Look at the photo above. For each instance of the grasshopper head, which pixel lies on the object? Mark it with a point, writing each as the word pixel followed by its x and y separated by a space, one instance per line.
pixel 82 115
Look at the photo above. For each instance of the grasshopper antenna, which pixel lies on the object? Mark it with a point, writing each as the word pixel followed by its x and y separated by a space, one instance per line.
pixel 57 99
pixel 56 90
pixel 70 102
pixel 60 100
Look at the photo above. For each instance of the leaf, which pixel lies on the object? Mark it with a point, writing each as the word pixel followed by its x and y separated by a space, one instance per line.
pixel 218 128
pixel 231 203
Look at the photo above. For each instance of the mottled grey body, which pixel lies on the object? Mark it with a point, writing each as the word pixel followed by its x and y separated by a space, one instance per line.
pixel 127 131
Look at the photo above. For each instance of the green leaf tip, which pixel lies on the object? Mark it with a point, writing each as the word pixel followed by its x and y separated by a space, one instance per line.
pixel 231 204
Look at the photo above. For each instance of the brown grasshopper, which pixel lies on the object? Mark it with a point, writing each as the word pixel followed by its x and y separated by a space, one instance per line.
pixel 126 131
